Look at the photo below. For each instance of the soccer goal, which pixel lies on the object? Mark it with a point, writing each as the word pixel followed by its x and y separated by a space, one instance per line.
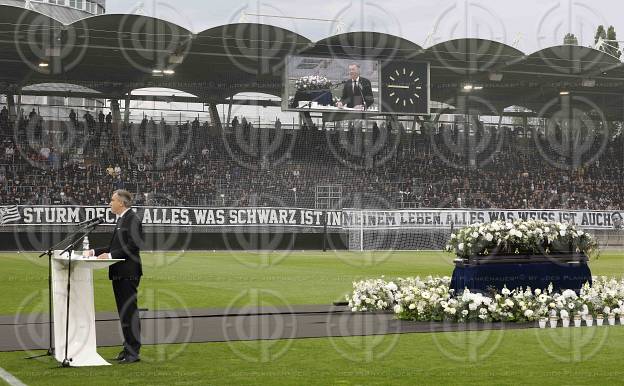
pixel 397 229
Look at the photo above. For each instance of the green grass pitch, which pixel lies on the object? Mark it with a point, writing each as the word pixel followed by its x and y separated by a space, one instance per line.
pixel 219 279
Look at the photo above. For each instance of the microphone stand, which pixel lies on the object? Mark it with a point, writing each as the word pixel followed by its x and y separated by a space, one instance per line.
pixel 362 95
pixel 49 252
pixel 89 228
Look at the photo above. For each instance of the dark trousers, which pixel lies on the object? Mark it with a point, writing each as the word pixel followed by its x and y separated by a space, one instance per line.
pixel 126 298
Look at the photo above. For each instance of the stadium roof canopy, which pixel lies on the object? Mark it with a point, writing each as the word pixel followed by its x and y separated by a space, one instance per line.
pixel 116 53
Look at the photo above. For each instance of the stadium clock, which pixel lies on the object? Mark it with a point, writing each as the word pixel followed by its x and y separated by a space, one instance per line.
pixel 405 88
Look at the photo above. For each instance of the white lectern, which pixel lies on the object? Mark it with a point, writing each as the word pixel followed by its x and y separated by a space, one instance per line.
pixel 82 347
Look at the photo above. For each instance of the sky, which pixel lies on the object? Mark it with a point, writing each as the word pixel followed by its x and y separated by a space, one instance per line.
pixel 528 25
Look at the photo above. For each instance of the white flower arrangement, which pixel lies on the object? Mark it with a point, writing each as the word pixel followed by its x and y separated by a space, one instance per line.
pixel 431 299
pixel 528 237
pixel 312 82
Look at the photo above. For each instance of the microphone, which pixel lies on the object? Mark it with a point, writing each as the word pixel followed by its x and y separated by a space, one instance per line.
pixel 93 221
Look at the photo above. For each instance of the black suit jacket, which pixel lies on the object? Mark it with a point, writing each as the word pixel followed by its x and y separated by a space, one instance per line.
pixel 350 96
pixel 125 244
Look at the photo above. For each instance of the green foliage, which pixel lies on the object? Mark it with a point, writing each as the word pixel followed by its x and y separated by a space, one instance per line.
pixel 600 33
pixel 570 39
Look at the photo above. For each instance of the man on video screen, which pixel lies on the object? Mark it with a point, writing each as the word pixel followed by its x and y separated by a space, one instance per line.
pixel 357 92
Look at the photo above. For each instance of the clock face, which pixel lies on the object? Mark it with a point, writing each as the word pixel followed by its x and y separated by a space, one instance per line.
pixel 405 88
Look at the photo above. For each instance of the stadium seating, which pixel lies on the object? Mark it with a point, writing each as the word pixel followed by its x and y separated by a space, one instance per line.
pixel 44 162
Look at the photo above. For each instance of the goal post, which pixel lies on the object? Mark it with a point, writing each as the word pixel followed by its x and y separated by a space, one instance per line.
pixel 398 229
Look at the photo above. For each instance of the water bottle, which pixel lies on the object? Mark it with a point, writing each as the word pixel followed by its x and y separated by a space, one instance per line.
pixel 85 243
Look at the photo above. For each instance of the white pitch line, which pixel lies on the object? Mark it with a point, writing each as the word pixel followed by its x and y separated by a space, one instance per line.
pixel 9 378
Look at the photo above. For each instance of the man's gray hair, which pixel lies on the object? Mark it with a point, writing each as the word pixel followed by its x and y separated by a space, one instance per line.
pixel 125 197
pixel 355 64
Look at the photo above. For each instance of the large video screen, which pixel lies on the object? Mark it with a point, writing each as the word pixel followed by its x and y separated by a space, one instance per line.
pixel 332 85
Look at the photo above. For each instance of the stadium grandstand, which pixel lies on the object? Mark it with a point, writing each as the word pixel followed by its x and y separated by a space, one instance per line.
pixel 501 129
pixel 407 173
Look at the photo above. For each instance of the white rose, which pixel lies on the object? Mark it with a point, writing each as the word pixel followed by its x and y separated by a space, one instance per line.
pixel 528 313
pixel 412 306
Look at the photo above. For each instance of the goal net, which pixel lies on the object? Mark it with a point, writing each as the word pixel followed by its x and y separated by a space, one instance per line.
pixel 398 229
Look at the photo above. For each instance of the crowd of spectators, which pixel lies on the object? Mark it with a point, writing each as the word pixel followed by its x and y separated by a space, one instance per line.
pixel 80 161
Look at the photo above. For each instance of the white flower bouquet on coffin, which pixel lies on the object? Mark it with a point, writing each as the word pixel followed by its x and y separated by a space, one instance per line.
pixel 431 299
pixel 312 82
pixel 525 237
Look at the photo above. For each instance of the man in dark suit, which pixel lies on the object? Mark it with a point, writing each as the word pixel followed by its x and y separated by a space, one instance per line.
pixel 125 275
pixel 357 91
